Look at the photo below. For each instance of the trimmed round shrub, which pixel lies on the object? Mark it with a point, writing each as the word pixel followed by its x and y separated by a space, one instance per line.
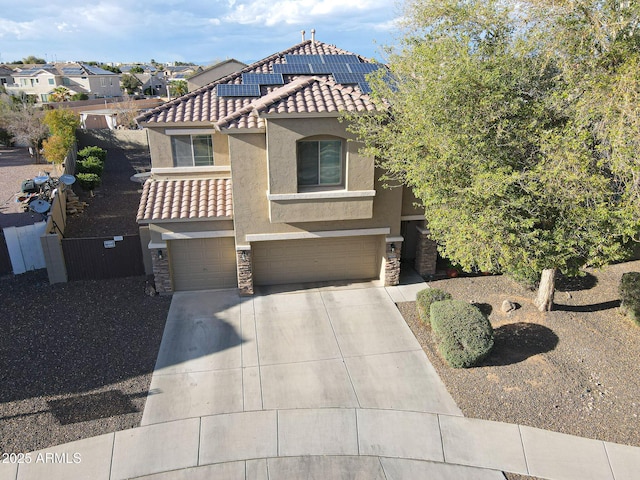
pixel 90 165
pixel 97 152
pixel 463 333
pixel 88 181
pixel 629 290
pixel 424 299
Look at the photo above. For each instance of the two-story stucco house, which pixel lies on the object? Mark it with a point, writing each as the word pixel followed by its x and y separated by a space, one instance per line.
pixel 41 80
pixel 255 181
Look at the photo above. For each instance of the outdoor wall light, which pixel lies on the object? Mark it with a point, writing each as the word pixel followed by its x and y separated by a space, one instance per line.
pixel 160 254
pixel 393 248
pixel 243 254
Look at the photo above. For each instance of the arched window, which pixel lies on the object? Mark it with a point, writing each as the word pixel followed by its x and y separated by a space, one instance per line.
pixel 320 162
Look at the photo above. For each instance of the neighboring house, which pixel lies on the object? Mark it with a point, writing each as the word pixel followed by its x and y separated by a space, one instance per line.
pixel 41 80
pixel 152 84
pixel 214 73
pixel 6 78
pixel 180 72
pixel 255 181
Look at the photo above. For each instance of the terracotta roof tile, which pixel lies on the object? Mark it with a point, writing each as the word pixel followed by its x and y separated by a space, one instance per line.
pixel 321 94
pixel 185 199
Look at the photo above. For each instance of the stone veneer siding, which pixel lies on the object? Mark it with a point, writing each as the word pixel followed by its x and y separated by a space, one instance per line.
pixel 245 272
pixel 392 264
pixel 426 254
pixel 161 274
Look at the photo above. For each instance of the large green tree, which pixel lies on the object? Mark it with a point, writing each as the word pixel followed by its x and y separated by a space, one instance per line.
pixel 516 125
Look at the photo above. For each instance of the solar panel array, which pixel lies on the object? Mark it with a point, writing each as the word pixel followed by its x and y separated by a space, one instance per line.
pixel 236 90
pixel 72 70
pixel 346 69
pixel 262 79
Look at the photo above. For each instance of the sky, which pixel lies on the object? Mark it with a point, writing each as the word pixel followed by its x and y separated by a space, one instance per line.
pixel 198 31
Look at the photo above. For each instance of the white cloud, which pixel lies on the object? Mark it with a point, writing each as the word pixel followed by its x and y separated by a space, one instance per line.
pixel 296 12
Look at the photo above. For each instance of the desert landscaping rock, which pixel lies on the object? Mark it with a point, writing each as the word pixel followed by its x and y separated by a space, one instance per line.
pixel 573 370
pixel 508 306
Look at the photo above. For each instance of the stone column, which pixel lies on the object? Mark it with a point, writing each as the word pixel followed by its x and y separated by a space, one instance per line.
pixel 161 276
pixel 392 262
pixel 426 254
pixel 245 270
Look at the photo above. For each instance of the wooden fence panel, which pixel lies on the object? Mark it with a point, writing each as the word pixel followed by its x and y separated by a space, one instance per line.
pixel 100 258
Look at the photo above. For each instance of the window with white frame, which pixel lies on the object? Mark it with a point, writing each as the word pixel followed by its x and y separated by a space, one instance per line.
pixel 320 163
pixel 192 150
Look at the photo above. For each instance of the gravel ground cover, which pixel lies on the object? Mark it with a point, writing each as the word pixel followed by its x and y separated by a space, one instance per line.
pixel 573 370
pixel 113 206
pixel 76 359
pixel 15 166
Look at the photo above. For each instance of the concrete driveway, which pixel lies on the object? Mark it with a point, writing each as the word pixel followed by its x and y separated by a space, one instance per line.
pixel 319 348
pixel 324 383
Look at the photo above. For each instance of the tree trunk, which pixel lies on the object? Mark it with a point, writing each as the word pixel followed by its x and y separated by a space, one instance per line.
pixel 544 300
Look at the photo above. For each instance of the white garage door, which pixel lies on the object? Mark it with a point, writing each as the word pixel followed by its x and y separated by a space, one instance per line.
pixel 311 260
pixel 203 263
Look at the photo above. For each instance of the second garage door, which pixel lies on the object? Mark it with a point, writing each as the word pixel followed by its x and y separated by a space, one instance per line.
pixel 317 259
pixel 203 263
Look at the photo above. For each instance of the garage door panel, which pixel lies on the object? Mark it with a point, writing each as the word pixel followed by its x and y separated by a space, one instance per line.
pixel 309 260
pixel 202 264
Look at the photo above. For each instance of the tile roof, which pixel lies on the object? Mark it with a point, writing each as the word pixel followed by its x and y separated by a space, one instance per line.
pixel 301 93
pixel 185 199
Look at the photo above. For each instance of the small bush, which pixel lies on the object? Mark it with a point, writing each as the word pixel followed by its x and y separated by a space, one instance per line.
pixel 90 165
pixel 629 290
pixel 463 333
pixel 425 298
pixel 97 152
pixel 88 181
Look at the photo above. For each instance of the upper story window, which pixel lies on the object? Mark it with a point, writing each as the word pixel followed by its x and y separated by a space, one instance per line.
pixel 320 163
pixel 66 81
pixel 51 81
pixel 192 150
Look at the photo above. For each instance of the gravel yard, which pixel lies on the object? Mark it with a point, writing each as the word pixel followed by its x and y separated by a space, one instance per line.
pixel 573 370
pixel 15 166
pixel 75 359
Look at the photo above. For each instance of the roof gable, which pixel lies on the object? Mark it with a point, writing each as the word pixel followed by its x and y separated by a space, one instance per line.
pixel 299 93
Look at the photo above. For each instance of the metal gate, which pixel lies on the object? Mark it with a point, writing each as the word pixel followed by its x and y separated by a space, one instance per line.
pixel 104 257
pixel 5 260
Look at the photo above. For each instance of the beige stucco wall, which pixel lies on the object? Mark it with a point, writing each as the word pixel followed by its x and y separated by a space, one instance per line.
pixel 250 184
pixel 160 147
pixel 408 203
pixel 282 135
pixel 157 229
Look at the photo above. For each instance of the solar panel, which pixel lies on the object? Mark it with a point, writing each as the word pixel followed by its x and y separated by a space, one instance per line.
pixel 97 70
pixel 364 86
pixel 340 59
pixel 262 79
pixel 330 68
pixel 363 67
pixel 292 69
pixel 235 90
pixel 303 58
pixel 348 78
pixel 72 71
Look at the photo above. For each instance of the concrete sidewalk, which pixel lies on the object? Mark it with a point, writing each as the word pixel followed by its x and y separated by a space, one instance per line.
pixel 331 443
pixel 325 383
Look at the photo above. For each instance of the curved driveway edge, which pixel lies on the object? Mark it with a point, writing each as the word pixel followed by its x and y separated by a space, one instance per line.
pixel 334 443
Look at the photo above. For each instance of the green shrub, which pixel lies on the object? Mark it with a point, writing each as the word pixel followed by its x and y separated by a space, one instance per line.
pixel 629 290
pixel 88 181
pixel 90 165
pixel 463 333
pixel 97 152
pixel 425 298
